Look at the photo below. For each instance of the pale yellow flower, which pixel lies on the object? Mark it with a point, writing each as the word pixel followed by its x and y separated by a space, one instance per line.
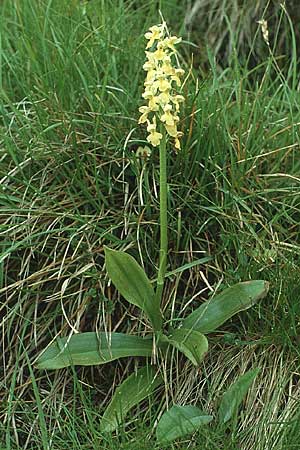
pixel 154 138
pixel 149 65
pixel 160 55
pixel 177 100
pixel 154 34
pixel 170 42
pixel 177 143
pixel 154 103
pixel 150 88
pixel 151 126
pixel 164 98
pixel 163 85
pixel 163 102
pixel 143 152
pixel 167 69
pixel 172 130
pixel 168 117
pixel 151 75
pixel 179 72
pixel 145 111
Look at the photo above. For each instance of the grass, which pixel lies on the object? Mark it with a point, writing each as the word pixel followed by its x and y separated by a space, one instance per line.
pixel 70 87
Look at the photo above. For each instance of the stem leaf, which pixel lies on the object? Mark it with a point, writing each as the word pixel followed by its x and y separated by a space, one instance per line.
pixel 234 396
pixel 213 313
pixel 92 348
pixel 132 391
pixel 191 343
pixel 133 284
pixel 179 421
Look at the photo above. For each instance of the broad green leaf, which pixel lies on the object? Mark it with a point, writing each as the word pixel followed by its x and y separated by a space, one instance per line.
pixel 133 284
pixel 191 343
pixel 213 313
pixel 234 396
pixel 132 391
pixel 179 421
pixel 92 348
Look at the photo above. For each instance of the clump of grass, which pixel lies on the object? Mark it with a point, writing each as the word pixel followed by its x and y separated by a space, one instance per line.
pixel 71 182
pixel 230 29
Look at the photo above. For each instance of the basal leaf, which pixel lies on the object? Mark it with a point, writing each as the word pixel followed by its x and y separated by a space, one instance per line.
pixel 213 313
pixel 179 421
pixel 133 284
pixel 234 396
pixel 191 343
pixel 92 348
pixel 132 391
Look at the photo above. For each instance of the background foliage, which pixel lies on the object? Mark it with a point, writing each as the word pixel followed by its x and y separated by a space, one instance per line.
pixel 70 86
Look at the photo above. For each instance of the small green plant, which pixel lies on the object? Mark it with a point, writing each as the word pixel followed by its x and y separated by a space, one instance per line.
pixel 162 116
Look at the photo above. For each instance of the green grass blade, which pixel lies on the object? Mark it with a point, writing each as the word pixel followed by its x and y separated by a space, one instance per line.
pixel 41 416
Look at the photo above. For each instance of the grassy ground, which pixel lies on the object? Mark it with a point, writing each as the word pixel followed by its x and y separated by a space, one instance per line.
pixel 70 88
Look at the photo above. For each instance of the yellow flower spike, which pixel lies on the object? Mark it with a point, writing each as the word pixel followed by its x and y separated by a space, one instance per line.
pixel 163 101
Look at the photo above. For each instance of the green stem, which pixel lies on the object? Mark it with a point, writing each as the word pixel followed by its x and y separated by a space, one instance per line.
pixel 163 209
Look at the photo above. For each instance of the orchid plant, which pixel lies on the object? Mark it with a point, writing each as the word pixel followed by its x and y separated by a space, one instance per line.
pixel 161 115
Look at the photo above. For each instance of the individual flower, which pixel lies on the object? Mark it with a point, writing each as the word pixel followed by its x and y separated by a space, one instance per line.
pixel 154 136
pixel 162 81
pixel 154 34
pixel 145 111
pixel 143 152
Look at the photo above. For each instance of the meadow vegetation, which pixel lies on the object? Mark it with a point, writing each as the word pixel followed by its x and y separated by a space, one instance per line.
pixel 71 182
